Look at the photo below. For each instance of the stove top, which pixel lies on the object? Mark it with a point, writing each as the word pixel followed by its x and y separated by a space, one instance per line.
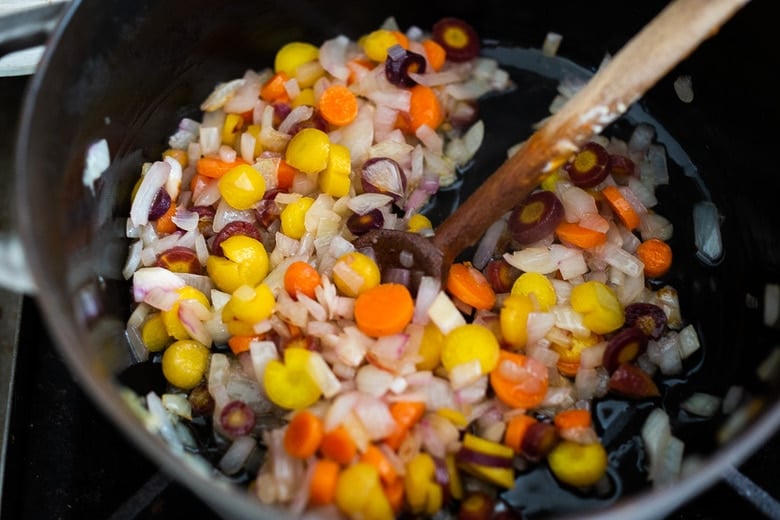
pixel 61 458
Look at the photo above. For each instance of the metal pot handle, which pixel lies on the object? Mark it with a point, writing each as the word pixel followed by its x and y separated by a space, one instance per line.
pixel 20 30
pixel 29 27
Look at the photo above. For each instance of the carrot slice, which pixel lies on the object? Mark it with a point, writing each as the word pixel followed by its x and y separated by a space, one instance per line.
pixel 579 236
pixel 374 456
pixel 435 53
pixel 403 40
pixel 338 105
pixel 470 286
pixel 165 224
pixel 384 310
pixel 406 414
pixel 303 435
pixel 215 168
pixel 285 175
pixel 338 445
pixel 322 486
pixel 239 344
pixel 572 418
pixel 515 431
pixel 394 491
pixel 424 109
pixel 517 384
pixel 656 255
pixel 274 89
pixel 621 207
pixel 301 277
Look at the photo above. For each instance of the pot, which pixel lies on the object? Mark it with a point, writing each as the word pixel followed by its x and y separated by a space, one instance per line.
pixel 127 72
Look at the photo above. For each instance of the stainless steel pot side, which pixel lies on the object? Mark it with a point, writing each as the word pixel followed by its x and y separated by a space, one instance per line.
pixel 127 72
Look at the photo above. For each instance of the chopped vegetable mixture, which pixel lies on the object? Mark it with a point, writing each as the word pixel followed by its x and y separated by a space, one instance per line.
pixel 375 393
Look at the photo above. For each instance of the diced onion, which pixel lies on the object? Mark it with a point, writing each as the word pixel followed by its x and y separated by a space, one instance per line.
pixel 701 404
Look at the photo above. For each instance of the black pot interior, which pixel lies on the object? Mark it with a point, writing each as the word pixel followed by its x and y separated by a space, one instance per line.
pixel 129 71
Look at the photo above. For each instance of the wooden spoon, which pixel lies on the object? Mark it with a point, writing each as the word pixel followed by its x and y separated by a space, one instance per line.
pixel 671 36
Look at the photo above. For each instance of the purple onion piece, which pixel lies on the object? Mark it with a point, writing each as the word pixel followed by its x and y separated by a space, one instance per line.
pixel 384 175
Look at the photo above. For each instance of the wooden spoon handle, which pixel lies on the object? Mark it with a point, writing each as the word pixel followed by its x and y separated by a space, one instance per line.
pixel 671 36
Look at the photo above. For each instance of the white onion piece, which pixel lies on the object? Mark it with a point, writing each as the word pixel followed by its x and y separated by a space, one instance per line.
pixel 296 115
pixel 358 136
pixel 706 228
pixel 532 259
pixel 656 156
pixel 644 194
pixel 226 214
pixel 96 161
pixel 669 463
pixel 373 380
pixel 576 202
pixel 227 153
pixel 210 140
pixel 173 184
pixel 683 87
pixel 440 395
pixel 701 404
pixel 155 178
pixel 591 382
pixel 333 57
pixel 261 353
pixel 653 225
pixel 133 260
pixel 271 138
pixel 319 370
pixel 641 138
pixel 177 404
pixel 572 266
pixel 185 135
pixel 161 422
pixel 430 139
pixel 665 352
pixel 245 97
pixel 186 220
pixel 538 325
pixel 472 88
pixel 427 292
pixel 444 77
pixel 397 99
pixel 237 454
pixel 487 245
pixel 619 259
pixel 208 195
pixel 148 278
pixel 221 93
pixel 769 369
pixel 551 43
pixel 137 345
pixel 444 313
pixel 161 299
pixel 375 416
pixel 192 314
pixel 465 374
pixel 593 356
pixel 689 341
